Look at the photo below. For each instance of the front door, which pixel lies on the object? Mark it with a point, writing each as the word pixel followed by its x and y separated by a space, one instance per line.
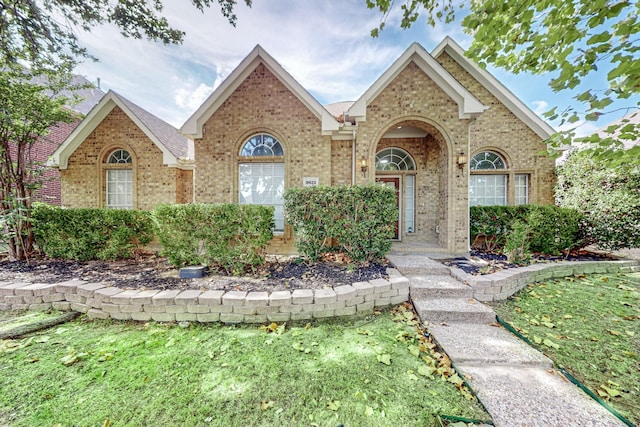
pixel 393 182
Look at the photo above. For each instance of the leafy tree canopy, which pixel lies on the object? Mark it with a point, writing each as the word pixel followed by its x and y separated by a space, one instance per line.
pixel 43 33
pixel 571 39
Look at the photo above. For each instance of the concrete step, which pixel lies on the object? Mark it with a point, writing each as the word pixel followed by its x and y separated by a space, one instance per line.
pixel 417 265
pixel 427 287
pixel 474 344
pixel 527 397
pixel 459 310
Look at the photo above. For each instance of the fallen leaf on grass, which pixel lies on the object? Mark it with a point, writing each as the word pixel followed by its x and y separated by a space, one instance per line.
pixel 613 332
pixel 426 371
pixel 550 343
pixel 264 405
pixel 414 350
pixel 274 328
pixel 333 405
pixel 368 411
pixel 384 358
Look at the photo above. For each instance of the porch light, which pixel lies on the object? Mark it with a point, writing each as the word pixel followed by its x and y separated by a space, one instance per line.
pixel 364 167
pixel 461 160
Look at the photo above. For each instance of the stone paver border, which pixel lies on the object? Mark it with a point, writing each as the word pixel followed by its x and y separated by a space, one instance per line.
pixel 100 301
pixel 503 284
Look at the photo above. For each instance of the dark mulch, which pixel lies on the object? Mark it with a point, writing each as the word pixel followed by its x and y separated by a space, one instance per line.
pixel 497 262
pixel 149 271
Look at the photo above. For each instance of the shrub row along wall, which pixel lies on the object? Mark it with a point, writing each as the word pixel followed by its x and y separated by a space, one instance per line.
pixel 550 229
pixel 99 301
pixel 503 284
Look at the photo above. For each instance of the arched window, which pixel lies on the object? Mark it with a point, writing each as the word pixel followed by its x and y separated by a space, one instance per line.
pixel 487 160
pixel 119 180
pixel 262 145
pixel 487 189
pixel 261 175
pixel 394 159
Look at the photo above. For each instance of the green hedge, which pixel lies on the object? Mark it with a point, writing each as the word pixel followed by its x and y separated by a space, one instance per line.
pixel 360 219
pixel 87 234
pixel 230 236
pixel 550 229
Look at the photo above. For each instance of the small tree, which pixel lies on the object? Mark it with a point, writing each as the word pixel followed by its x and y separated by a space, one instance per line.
pixel 609 198
pixel 27 112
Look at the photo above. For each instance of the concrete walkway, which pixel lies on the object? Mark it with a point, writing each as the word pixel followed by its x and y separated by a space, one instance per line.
pixel 516 383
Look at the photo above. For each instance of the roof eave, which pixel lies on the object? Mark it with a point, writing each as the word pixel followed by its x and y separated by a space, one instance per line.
pixel 468 105
pixel 497 89
pixel 192 128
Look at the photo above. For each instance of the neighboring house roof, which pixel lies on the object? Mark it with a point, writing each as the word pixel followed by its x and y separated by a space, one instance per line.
pixel 468 105
pixel 193 126
pixel 84 92
pixel 177 151
pixel 497 89
pixel 339 109
pixel 88 96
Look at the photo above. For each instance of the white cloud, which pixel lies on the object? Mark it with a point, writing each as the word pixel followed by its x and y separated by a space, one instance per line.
pixel 190 97
pixel 540 107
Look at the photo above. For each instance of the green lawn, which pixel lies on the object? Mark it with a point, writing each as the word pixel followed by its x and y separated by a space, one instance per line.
pixel 590 325
pixel 370 371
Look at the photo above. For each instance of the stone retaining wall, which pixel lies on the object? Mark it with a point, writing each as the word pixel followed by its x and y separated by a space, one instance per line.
pixel 503 284
pixel 100 301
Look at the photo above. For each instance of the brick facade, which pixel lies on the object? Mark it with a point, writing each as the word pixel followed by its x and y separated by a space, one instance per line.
pixel 260 97
pixel 83 182
pixel 499 130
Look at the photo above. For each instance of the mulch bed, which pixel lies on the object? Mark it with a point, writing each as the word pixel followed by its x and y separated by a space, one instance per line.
pixel 482 262
pixel 150 271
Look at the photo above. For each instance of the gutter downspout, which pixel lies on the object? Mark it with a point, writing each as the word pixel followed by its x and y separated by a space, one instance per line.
pixel 473 120
pixel 353 157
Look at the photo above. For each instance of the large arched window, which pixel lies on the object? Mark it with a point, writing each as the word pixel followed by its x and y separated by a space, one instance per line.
pixel 261 175
pixel 119 180
pixel 487 189
pixel 394 159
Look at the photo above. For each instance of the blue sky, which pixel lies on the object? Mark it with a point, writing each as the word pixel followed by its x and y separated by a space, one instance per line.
pixel 324 44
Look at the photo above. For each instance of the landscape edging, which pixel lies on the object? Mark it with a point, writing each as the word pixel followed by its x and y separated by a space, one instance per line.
pixel 501 285
pixel 100 301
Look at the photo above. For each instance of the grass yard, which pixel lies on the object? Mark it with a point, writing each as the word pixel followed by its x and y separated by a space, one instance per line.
pixel 370 371
pixel 590 325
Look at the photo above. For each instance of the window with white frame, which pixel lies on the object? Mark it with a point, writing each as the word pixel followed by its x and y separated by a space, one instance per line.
pixel 119 180
pixel 522 189
pixel 261 175
pixel 487 189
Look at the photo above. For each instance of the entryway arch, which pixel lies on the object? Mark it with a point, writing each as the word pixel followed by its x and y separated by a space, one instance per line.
pixel 413 156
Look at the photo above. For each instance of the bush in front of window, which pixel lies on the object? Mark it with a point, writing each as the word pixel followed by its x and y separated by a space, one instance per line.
pixel 360 219
pixel 230 236
pixel 551 229
pixel 89 234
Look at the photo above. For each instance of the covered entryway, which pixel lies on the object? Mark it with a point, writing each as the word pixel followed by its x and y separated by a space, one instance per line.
pixel 412 156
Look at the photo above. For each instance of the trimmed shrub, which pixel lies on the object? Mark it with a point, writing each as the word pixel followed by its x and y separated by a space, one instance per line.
pixel 359 219
pixel 88 234
pixel 230 236
pixel 551 229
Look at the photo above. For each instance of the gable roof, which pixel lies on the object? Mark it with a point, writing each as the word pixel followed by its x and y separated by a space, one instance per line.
pixel 177 151
pixel 497 89
pixel 468 105
pixel 193 126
